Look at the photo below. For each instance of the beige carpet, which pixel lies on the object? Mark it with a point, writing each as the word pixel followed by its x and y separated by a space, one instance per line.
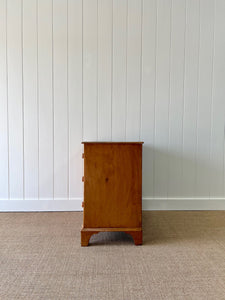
pixel 183 257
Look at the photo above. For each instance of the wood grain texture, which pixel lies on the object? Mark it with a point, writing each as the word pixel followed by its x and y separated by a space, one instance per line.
pixel 112 187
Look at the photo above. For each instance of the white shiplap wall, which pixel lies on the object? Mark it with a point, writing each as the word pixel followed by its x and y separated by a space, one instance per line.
pixel 74 70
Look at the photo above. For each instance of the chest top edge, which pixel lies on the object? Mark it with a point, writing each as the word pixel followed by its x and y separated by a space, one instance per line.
pixel 125 143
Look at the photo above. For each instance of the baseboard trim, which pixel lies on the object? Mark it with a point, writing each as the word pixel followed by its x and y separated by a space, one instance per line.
pixel 183 204
pixel 75 204
pixel 41 205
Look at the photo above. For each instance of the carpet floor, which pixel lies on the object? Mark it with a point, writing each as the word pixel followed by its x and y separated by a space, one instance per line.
pixel 182 257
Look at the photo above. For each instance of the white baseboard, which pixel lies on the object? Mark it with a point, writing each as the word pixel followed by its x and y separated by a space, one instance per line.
pixel 41 205
pixel 147 204
pixel 183 204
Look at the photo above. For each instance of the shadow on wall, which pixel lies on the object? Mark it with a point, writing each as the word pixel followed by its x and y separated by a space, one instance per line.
pixel 174 174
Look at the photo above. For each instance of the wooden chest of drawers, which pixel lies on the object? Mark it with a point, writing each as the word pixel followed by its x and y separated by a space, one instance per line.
pixel 112 189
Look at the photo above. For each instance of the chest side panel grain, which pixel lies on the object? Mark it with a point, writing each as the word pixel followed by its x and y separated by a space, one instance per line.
pixel 112 185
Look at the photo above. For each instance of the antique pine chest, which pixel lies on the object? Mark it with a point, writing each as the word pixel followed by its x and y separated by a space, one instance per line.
pixel 112 189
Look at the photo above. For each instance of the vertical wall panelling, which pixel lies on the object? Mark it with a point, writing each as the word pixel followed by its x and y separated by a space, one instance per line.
pixel 30 99
pixel 205 97
pixel 45 99
pixel 60 95
pixel 218 105
pixel 191 98
pixel 3 104
pixel 162 97
pixel 15 98
pixel 148 93
pixel 119 97
pixel 90 74
pixel 75 97
pixel 178 22
pixel 120 70
pixel 134 55
pixel 104 68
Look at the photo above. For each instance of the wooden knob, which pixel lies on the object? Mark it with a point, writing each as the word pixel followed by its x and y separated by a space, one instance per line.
pixel 82 203
pixel 82 155
pixel 83 178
